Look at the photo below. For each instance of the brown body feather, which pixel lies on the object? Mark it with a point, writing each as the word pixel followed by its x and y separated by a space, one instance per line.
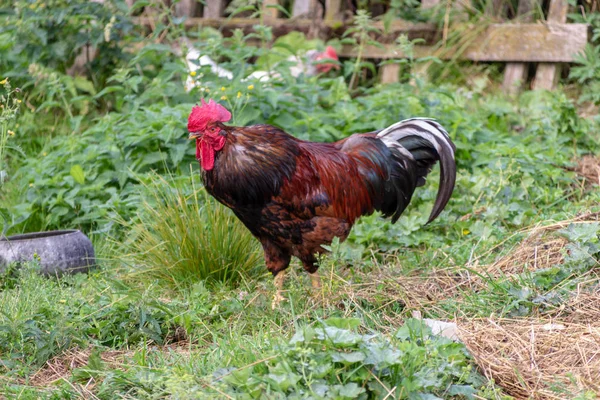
pixel 295 196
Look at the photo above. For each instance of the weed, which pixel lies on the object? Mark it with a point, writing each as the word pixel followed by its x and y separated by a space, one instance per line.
pixel 182 236
pixel 332 361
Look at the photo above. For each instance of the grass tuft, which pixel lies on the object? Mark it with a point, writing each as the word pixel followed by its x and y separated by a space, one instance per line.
pixel 182 236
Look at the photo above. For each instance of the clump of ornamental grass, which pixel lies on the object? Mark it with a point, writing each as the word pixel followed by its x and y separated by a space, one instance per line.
pixel 182 235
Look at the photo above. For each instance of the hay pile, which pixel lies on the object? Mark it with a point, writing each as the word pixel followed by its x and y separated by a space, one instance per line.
pixel 588 167
pixel 542 248
pixel 538 359
pixel 554 357
pixel 414 291
pixel 60 367
pixel 538 251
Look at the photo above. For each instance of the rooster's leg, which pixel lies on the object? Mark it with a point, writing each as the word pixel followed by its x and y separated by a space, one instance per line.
pixel 278 298
pixel 277 260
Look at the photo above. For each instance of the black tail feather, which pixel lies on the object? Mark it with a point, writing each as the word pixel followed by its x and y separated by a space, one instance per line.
pixel 417 144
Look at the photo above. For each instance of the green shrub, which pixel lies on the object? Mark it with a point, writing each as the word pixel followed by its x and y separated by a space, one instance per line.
pixel 181 235
pixel 53 32
pixel 333 361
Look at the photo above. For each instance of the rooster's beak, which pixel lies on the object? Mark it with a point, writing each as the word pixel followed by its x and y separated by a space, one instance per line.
pixel 194 135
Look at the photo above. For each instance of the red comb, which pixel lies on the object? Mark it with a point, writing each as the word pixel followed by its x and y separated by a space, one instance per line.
pixel 206 113
pixel 330 53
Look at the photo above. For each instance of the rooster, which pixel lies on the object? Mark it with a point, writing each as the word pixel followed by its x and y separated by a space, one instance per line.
pixel 295 196
pixel 311 63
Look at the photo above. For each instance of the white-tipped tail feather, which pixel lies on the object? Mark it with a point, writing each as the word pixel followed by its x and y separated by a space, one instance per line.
pixel 423 141
pixel 426 128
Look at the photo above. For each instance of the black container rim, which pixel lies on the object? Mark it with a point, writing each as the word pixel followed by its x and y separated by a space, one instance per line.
pixel 37 235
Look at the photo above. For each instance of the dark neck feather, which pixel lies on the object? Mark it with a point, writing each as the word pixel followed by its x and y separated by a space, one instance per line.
pixel 252 167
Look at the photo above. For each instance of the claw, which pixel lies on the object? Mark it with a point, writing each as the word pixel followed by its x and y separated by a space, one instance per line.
pixel 277 299
pixel 315 280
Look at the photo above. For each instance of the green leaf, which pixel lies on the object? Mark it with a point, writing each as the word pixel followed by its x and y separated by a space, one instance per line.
pixel 343 323
pixel 413 329
pixel 249 115
pixel 238 377
pixel 84 85
pixel 348 358
pixel 284 381
pixel 340 337
pixel 582 233
pixel 382 355
pixel 463 390
pixel 78 174
pixel 350 390
pixel 107 90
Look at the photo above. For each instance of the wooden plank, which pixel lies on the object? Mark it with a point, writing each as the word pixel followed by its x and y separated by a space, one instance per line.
pixel 396 26
pixel 504 42
pixel 389 73
pixel 558 11
pixel 546 75
pixel 515 74
pixel 500 42
pixel 302 8
pixel 213 9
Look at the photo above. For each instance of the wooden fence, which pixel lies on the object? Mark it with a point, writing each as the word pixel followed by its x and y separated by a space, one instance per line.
pixel 547 43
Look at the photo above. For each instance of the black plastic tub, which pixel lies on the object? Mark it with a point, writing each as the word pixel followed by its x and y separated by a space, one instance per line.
pixel 58 252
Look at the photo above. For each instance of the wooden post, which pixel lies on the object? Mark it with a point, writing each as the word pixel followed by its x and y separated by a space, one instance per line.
pixel 390 73
pixel 214 8
pixel 270 12
pixel 547 74
pixel 515 74
pixel 497 8
pixel 332 9
pixel 302 8
pixel 418 70
pixel 186 8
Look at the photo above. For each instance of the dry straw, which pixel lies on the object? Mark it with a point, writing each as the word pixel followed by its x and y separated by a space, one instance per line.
pixel 539 358
pixel 588 167
pixel 555 356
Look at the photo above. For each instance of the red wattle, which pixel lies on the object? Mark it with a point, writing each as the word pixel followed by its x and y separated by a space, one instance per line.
pixel 208 156
pixel 205 149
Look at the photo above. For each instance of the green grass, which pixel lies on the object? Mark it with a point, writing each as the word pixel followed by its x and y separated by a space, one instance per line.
pixel 228 328
pixel 181 302
pixel 181 235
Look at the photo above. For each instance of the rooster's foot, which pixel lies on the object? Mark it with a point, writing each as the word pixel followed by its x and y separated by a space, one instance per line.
pixel 315 281
pixel 278 298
